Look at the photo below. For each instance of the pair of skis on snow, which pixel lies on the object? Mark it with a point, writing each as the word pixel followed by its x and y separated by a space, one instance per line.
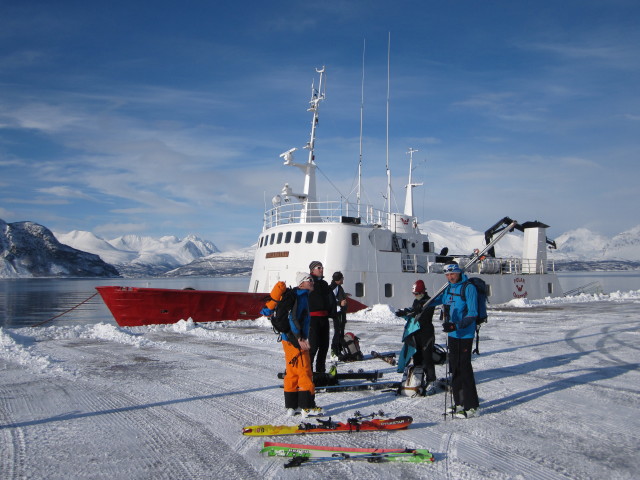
pixel 312 454
pixel 300 454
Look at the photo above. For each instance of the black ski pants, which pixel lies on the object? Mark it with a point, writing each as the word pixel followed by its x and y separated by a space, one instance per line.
pixel 463 382
pixel 339 323
pixel 425 339
pixel 319 343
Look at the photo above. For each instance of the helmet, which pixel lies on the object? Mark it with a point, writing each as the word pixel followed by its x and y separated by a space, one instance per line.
pixel 452 268
pixel 418 287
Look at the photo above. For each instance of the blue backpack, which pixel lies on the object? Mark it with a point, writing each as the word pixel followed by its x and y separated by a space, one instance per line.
pixel 481 287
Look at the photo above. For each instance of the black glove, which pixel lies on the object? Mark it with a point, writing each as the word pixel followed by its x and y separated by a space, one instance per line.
pixel 448 327
pixel 401 312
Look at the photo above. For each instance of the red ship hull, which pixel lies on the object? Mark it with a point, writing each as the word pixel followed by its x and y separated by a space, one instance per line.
pixel 135 307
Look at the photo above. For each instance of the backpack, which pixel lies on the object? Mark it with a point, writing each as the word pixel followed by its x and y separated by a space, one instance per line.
pixel 283 305
pixel 412 382
pixel 481 287
pixel 439 354
pixel 276 295
pixel 350 346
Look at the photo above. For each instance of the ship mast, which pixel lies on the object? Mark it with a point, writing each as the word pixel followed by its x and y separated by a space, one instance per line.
pixel 359 194
pixel 309 212
pixel 408 202
pixel 388 171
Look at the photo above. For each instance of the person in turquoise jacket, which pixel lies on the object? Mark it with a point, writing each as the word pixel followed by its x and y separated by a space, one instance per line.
pixel 460 324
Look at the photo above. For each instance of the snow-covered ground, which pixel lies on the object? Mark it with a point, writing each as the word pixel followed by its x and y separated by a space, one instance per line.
pixel 558 381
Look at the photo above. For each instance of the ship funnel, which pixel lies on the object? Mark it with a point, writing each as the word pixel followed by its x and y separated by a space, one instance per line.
pixel 534 251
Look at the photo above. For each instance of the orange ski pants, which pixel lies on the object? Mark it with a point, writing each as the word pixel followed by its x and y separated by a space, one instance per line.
pixel 298 376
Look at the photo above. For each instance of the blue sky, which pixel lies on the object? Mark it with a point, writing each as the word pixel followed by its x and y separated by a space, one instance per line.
pixel 168 118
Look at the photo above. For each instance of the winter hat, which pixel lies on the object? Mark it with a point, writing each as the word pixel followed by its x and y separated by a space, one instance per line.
pixel 303 277
pixel 337 276
pixel 418 287
pixel 452 268
pixel 314 264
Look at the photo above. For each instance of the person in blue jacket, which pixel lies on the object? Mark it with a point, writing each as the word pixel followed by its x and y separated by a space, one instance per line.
pixel 460 323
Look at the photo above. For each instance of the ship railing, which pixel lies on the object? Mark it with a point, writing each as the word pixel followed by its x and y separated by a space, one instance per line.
pixel 323 212
pixel 424 263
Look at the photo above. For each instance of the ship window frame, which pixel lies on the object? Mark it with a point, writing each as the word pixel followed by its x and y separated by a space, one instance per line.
pixel 287 237
pixel 425 247
pixel 272 239
pixel 355 239
pixel 322 237
pixel 388 290
pixel 308 238
pixel 279 241
pixel 298 237
pixel 360 290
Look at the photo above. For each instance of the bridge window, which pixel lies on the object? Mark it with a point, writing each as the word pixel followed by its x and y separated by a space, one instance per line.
pixel 280 237
pixel 322 237
pixel 287 237
pixel 273 238
pixel 309 238
pixel 355 239
pixel 298 237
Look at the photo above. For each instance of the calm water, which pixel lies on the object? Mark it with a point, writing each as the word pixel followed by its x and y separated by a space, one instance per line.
pixel 25 302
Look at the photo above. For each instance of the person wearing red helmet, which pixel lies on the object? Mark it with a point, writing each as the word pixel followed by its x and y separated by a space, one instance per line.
pixel 422 339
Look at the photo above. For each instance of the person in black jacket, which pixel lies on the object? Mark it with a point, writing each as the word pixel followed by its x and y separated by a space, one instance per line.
pixel 425 337
pixel 340 320
pixel 322 305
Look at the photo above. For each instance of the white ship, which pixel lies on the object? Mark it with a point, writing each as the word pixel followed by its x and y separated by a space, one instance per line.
pixel 382 253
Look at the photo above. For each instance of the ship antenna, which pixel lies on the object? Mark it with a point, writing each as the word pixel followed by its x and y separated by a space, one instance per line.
pixel 388 171
pixel 364 46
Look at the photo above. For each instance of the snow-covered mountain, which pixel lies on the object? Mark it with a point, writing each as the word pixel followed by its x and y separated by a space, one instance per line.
pixel 31 250
pixel 136 255
pixel 221 264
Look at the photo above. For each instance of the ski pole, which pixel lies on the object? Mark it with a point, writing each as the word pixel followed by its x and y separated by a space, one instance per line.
pixel 446 376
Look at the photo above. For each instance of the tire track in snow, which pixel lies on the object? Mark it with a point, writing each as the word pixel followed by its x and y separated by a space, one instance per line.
pixel 13 451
